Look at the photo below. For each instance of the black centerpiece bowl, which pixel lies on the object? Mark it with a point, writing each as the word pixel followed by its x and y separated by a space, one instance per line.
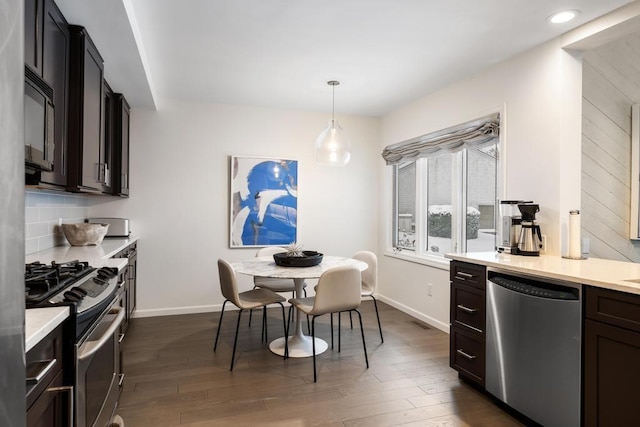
pixel 309 259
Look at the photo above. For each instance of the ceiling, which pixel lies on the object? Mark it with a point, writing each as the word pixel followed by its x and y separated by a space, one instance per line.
pixel 281 53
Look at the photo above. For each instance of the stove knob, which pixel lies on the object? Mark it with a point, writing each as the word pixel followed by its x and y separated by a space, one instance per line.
pixel 79 290
pixel 73 296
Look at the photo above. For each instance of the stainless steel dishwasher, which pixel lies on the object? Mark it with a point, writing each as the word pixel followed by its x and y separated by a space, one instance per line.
pixel 533 347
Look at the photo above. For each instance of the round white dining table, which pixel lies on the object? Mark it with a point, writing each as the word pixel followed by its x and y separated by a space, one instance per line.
pixel 300 345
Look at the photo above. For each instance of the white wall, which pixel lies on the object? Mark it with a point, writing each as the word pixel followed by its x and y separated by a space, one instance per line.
pixel 540 92
pixel 528 89
pixel 180 193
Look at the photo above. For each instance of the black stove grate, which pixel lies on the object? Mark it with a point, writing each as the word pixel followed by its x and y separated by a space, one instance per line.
pixel 42 281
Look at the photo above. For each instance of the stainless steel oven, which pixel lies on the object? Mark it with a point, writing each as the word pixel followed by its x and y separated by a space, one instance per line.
pixel 92 295
pixel 98 370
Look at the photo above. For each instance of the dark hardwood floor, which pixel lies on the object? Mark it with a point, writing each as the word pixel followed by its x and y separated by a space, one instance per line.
pixel 173 377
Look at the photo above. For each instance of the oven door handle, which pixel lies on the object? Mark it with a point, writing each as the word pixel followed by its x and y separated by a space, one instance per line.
pixel 89 348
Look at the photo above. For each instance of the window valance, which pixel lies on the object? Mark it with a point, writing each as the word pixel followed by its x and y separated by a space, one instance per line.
pixel 474 134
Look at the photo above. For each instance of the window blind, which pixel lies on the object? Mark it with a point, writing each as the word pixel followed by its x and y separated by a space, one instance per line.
pixel 474 134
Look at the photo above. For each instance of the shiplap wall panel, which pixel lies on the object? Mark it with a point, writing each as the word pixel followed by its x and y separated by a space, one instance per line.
pixel 611 84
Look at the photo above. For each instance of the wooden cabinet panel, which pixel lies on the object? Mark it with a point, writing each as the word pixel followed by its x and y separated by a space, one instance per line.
pixel 611 375
pixel 468 319
pixel 467 354
pixel 33 11
pixel 468 307
pixel 121 146
pixel 468 274
pixel 55 71
pixel 88 167
pixel 616 308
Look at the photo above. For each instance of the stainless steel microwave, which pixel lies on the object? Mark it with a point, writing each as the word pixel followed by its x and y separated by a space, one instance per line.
pixel 39 123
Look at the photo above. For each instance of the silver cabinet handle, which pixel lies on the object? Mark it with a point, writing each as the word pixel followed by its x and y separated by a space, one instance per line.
pixel 43 372
pixel 466 355
pixel 465 275
pixel 67 389
pixel 120 380
pixel 467 309
pixel 121 338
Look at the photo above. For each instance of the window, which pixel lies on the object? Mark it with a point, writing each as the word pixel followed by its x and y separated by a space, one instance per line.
pixel 447 202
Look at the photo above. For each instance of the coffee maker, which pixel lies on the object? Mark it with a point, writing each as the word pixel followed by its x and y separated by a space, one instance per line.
pixel 510 224
pixel 530 240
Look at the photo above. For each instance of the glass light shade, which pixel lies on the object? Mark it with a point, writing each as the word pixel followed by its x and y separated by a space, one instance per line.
pixel 333 147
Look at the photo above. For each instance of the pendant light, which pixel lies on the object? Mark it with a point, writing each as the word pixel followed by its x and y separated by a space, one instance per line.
pixel 333 147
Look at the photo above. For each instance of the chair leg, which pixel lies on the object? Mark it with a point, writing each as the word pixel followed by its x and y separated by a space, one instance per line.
pixel 331 314
pixel 308 327
pixel 339 330
pixel 351 320
pixel 235 340
pixel 364 345
pixel 313 346
pixel 264 324
pixel 375 304
pixel 286 335
pixel 215 345
pixel 286 332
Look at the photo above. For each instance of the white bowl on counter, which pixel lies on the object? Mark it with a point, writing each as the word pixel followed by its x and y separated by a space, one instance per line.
pixel 84 234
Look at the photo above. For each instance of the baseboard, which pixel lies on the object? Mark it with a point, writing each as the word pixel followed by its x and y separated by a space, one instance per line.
pixel 418 315
pixel 218 307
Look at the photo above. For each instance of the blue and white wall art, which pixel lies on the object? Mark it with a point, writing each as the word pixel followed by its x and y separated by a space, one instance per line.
pixel 264 202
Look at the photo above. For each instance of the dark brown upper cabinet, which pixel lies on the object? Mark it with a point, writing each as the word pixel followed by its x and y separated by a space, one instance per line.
pixel 89 164
pixel 122 116
pixel 47 50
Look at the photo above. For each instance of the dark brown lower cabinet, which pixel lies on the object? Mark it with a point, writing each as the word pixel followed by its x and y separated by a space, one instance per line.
pixel 611 359
pixel 49 393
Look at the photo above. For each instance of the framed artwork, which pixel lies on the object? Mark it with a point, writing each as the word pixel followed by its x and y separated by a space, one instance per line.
pixel 264 202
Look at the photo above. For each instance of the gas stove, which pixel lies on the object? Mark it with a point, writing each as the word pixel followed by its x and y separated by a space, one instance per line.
pixel 87 290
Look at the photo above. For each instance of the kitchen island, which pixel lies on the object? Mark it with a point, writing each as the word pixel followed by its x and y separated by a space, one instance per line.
pixel 607 330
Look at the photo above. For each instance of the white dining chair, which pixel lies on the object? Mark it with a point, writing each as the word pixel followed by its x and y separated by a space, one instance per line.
pixel 338 290
pixel 248 300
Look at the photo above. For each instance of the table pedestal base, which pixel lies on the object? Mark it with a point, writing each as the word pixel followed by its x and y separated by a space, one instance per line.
pixel 299 346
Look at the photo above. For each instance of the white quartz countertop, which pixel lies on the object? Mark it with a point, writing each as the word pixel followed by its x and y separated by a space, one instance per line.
pixel 602 273
pixel 38 322
pixel 95 255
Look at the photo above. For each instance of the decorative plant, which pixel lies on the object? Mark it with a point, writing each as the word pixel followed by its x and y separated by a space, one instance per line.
pixel 294 250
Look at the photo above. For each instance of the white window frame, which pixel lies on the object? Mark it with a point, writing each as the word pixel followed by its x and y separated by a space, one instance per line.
pixel 419 255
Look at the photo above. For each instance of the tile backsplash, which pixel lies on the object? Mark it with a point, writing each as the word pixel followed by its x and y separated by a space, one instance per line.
pixel 43 210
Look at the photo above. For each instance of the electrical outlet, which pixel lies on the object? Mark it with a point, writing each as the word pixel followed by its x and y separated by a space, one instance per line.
pixel 429 286
pixel 544 243
pixel 59 221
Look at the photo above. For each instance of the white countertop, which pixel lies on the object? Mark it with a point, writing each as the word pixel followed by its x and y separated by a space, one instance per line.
pixel 602 273
pixel 38 322
pixel 95 255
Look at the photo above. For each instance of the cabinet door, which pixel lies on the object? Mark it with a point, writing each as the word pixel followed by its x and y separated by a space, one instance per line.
pixel 611 375
pixel 55 70
pixel 122 144
pixel 106 148
pixel 33 10
pixel 86 133
pixel 53 407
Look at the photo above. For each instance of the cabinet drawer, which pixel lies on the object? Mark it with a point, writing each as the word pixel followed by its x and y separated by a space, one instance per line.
pixel 43 361
pixel 612 307
pixel 467 354
pixel 468 274
pixel 468 307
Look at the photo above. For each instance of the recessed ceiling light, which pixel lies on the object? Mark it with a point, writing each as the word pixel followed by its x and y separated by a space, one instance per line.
pixel 563 16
